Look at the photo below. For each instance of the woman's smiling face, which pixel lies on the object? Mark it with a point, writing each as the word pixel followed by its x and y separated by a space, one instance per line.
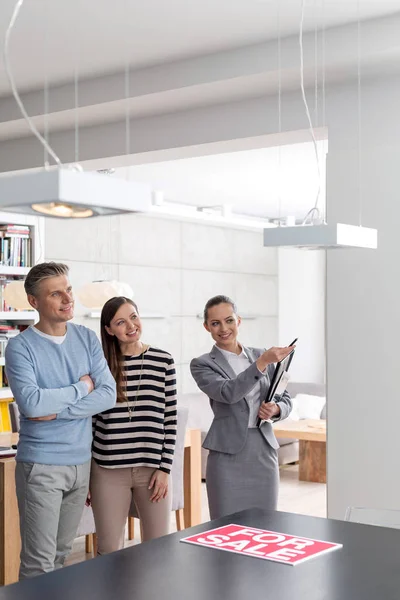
pixel 223 324
pixel 126 324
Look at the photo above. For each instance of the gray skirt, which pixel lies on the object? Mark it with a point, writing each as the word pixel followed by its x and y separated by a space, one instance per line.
pixel 248 479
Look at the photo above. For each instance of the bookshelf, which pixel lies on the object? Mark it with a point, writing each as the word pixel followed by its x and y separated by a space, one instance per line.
pixel 21 246
pixel 6 270
pixel 24 317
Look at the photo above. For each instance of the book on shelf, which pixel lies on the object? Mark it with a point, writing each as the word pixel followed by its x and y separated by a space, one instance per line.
pixel 6 333
pixel 3 344
pixel 9 334
pixel 7 451
pixel 3 378
pixel 15 228
pixel 15 246
pixel 15 251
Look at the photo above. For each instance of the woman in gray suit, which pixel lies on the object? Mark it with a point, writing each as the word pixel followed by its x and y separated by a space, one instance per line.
pixel 242 466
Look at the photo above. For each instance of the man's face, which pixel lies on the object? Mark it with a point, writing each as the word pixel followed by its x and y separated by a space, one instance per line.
pixel 54 300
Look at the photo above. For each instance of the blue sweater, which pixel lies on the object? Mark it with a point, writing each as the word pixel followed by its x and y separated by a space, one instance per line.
pixel 44 379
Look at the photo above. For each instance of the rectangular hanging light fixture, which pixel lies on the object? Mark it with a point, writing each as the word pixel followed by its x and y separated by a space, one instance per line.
pixel 69 193
pixel 325 236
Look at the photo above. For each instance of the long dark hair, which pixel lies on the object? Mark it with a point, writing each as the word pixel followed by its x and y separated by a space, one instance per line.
pixel 111 347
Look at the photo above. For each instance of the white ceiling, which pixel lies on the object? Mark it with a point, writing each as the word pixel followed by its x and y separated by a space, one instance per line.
pixel 51 37
pixel 251 181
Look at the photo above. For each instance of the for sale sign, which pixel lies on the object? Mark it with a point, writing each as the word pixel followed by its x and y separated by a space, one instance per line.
pixel 259 543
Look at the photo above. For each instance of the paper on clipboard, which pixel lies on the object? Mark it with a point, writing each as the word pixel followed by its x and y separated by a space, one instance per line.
pixel 282 385
pixel 280 388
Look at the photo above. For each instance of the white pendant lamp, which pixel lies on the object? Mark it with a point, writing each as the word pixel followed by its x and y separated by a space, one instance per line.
pixel 95 294
pixel 14 295
pixel 64 192
pixel 69 193
pixel 318 234
pixel 324 236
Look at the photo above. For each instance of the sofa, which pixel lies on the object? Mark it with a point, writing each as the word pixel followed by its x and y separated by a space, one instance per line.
pixel 311 404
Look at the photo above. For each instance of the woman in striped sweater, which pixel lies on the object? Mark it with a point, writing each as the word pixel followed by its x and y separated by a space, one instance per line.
pixel 133 443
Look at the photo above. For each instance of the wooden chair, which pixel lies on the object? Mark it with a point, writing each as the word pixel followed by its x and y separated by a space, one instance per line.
pixel 14 417
pixel 88 529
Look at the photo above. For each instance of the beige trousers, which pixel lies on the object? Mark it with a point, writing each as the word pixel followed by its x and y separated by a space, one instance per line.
pixel 112 491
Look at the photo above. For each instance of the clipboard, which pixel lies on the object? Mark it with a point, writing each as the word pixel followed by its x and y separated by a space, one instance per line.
pixel 279 382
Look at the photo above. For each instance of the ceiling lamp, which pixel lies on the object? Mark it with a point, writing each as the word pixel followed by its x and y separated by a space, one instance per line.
pixel 64 192
pixel 316 237
pixel 14 295
pixel 318 234
pixel 68 193
pixel 66 211
pixel 95 294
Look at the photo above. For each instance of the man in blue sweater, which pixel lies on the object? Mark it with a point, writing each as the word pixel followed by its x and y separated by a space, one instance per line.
pixel 59 378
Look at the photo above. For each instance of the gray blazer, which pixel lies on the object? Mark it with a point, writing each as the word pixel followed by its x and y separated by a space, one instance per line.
pixel 227 393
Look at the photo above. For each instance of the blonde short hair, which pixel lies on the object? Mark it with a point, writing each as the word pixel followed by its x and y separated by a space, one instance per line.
pixel 40 272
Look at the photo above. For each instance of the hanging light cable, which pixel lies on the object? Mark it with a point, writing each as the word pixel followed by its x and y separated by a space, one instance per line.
pixel 359 119
pixel 316 66
pixel 10 77
pixel 315 210
pixel 323 83
pixel 127 85
pixel 278 18
pixel 95 294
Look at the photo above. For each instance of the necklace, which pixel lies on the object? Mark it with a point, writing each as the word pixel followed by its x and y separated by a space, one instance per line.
pixel 131 408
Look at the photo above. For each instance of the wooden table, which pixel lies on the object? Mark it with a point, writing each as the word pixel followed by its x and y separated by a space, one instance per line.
pixel 365 568
pixel 9 517
pixel 311 434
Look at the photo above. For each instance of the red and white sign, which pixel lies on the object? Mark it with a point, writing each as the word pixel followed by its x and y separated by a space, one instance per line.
pixel 259 543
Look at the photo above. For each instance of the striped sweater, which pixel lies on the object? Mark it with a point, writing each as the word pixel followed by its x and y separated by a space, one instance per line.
pixel 147 439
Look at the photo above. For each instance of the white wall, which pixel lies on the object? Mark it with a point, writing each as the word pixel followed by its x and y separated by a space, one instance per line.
pixel 363 309
pixel 302 311
pixel 174 268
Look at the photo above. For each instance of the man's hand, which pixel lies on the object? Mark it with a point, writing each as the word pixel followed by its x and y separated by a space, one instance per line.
pixel 159 483
pixel 89 381
pixel 48 418
pixel 268 410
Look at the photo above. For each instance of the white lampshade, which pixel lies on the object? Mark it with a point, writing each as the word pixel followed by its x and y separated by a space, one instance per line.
pixel 95 294
pixel 66 193
pixel 324 236
pixel 15 296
